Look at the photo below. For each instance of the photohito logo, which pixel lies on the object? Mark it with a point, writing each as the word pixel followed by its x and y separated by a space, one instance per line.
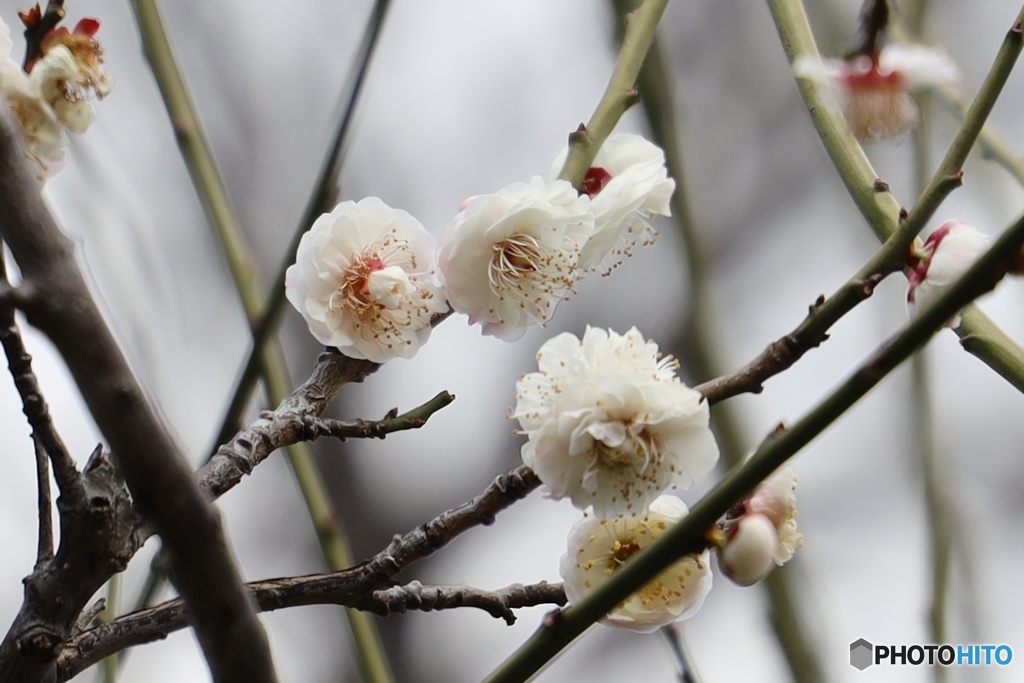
pixel 863 654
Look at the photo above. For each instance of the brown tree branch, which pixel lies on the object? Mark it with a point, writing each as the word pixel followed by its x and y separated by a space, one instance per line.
pixel 283 426
pixel 156 623
pixel 161 483
pixel 355 587
pixel 499 604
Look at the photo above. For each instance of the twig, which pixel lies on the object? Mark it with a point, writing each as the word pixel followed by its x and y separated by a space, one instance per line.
pixel 283 426
pixel 316 427
pixel 499 604
pixel 561 628
pixel 44 544
pixel 619 96
pixel 423 541
pixel 37 26
pixel 158 622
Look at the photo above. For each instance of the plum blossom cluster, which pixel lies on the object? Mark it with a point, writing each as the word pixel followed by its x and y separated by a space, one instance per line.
pixel 369 281
pixel 874 91
pixel 56 90
pixel 509 258
pixel 610 426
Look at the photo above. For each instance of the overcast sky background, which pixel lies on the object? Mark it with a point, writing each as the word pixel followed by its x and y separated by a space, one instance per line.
pixel 465 97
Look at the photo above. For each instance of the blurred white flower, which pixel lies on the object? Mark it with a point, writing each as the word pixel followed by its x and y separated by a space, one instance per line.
pixel 507 259
pixel 945 255
pixel 362 280
pixel 627 184
pixel 609 425
pixel 761 531
pixel 598 547
pixel 57 92
pixel 874 94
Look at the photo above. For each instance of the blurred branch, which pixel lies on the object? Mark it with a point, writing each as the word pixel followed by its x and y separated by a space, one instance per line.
pixel 677 644
pixel 618 96
pixel 323 198
pixel 357 586
pixel 938 505
pixel 979 335
pixel 688 536
pixel 63 308
pixel 213 195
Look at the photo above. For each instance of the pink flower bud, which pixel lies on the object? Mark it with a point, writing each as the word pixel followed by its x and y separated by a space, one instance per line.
pixel 748 554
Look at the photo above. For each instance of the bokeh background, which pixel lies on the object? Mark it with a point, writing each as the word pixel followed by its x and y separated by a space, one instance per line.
pixel 463 98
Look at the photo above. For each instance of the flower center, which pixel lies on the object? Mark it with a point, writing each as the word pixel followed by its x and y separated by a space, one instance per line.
pixel 355 286
pixel 622 551
pixel 531 273
pixel 634 453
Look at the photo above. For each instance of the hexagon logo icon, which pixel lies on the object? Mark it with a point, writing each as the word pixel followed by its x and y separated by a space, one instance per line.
pixel 861 652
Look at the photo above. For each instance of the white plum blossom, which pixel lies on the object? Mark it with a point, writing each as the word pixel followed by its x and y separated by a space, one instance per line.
pixel 507 259
pixel 56 93
pixel 761 532
pixel 598 547
pixel 945 255
pixel 609 424
pixel 874 93
pixel 363 281
pixel 627 184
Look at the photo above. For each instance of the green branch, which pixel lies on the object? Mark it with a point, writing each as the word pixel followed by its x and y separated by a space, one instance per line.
pixel 618 96
pixel 698 350
pixel 979 335
pixel 562 627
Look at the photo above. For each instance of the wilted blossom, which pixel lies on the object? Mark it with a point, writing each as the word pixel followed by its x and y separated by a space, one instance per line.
pixel 761 532
pixel 598 547
pixel 363 281
pixel 945 255
pixel 875 92
pixel 57 92
pixel 627 184
pixel 609 424
pixel 508 258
